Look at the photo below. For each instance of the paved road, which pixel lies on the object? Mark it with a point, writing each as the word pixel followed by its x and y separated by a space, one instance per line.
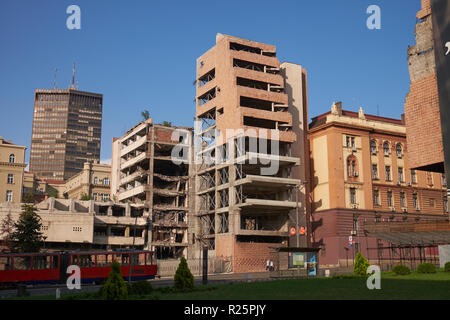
pixel 156 283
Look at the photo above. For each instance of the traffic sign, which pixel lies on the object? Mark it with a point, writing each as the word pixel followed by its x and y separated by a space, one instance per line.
pixel 302 230
pixel 292 231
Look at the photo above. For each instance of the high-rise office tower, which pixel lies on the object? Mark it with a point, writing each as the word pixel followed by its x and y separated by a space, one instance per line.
pixel 67 127
pixel 249 194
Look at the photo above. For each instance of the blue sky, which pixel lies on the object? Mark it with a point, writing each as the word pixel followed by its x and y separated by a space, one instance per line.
pixel 141 54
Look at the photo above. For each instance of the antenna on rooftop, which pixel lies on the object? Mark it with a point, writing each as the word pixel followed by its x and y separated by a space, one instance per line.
pixel 54 79
pixel 73 78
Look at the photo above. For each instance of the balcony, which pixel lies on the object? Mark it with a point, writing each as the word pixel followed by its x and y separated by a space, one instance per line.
pixel 139 142
pixel 122 241
pixel 133 192
pixel 133 161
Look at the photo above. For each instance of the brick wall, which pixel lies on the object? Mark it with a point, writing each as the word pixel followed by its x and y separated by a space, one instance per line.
pixel 423 123
pixel 252 256
pixel 426 9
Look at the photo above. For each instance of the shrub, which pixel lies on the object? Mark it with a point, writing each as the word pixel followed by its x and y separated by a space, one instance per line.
pixel 361 265
pixel 141 288
pixel 447 266
pixel 401 270
pixel 115 287
pixel 426 268
pixel 183 276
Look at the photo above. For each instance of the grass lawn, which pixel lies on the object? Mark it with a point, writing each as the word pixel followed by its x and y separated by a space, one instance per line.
pixel 410 287
pixel 413 286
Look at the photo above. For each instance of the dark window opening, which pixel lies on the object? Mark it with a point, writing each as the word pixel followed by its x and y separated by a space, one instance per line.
pixel 256 103
pixel 260 123
pixel 241 47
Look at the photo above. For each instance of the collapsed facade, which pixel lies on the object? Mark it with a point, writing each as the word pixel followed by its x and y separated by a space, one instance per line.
pixel 143 172
pixel 251 117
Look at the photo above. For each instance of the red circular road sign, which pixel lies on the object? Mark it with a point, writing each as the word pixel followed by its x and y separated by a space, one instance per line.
pixel 302 230
pixel 292 231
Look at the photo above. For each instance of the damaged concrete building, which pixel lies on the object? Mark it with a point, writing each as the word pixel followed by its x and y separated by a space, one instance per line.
pixel 251 118
pixel 150 168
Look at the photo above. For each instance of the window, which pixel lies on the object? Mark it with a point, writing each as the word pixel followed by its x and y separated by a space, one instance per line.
pixel 352 169
pixel 376 197
pixel 415 201
pixel 445 204
pixel 388 173
pixel 9 196
pixel 400 174
pixel 352 195
pixel 444 180
pixel 106 181
pixel 375 172
pixel 432 203
pixel 95 196
pixel 350 142
pixel 386 148
pixel 10 178
pixel 389 198
pixel 413 176
pixel 105 197
pixel 402 199
pixel 95 180
pixel 399 150
pixel 12 158
pixel 373 146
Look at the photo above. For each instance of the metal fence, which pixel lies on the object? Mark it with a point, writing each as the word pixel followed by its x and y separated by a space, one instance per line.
pixel 216 265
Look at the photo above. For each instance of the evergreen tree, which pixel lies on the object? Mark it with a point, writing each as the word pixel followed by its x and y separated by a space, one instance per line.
pixel 115 287
pixel 27 236
pixel 183 276
pixel 361 265
pixel 6 230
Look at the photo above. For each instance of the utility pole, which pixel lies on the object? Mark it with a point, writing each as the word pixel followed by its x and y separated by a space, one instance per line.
pixel 131 260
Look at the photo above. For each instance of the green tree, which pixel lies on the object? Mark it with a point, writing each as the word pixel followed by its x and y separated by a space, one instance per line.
pixel 53 194
pixel 361 265
pixel 6 230
pixel 145 115
pixel 27 236
pixel 183 276
pixel 85 197
pixel 115 287
pixel 167 123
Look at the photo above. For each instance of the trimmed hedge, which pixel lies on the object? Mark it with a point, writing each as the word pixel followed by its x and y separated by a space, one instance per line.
pixel 141 288
pixel 183 277
pixel 115 287
pixel 361 265
pixel 401 270
pixel 426 268
pixel 447 266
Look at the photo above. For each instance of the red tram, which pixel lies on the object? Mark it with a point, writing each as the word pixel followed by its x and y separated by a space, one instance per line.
pixel 51 268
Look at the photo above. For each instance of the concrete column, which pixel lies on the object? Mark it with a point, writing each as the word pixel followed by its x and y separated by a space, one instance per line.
pixel 91 206
pixel 71 205
pixel 127 210
pixel 108 231
pixel 109 211
pixel 51 204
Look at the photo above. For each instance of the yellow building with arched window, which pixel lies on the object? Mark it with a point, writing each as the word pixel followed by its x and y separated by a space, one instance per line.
pixel 12 165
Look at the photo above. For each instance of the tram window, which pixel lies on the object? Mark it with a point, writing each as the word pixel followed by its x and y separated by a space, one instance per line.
pixel 5 263
pixel 76 259
pixel 123 259
pixel 149 259
pixel 104 260
pixel 22 263
pixel 54 262
pixel 41 262
pixel 137 259
pixel 87 261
